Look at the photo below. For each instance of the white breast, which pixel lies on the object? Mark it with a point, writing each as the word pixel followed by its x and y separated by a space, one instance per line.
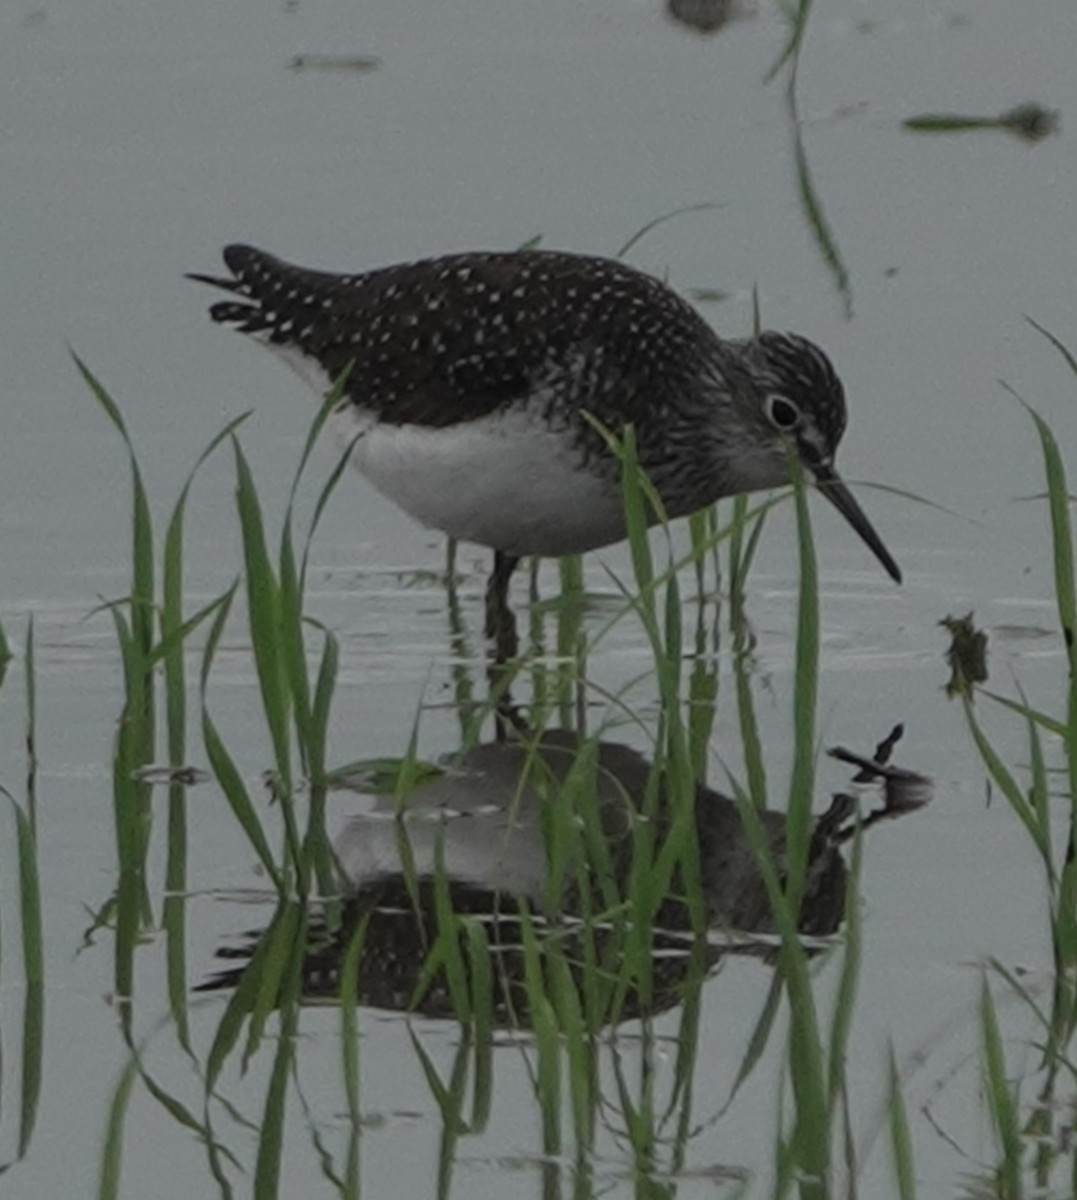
pixel 504 481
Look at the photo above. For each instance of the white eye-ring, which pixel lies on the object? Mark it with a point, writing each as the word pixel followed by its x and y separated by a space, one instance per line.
pixel 782 413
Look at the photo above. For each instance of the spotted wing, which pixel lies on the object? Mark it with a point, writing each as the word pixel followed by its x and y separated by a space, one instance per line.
pixel 454 339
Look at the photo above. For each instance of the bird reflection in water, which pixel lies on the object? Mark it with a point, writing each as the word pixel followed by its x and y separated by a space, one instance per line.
pixel 481 822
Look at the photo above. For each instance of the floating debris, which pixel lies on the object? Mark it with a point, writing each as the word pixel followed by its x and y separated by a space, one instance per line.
pixel 359 63
pixel 707 16
pixel 1032 122
pixel 186 776
pixel 967 655
pixel 708 295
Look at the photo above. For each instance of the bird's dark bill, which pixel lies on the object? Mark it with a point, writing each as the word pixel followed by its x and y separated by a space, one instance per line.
pixel 838 494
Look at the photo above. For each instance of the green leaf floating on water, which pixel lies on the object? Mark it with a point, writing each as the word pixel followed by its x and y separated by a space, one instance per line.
pixel 1032 122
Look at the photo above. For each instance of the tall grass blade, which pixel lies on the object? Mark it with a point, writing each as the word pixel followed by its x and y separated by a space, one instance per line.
pixel 349 1052
pixel 817 221
pixel 1000 1099
pixel 805 695
pixel 740 559
pixel 328 489
pixel 33 961
pixel 1039 801
pixel 175 907
pixel 271 1131
pixel 329 402
pixel 317 850
pixel 760 1035
pixel 285 940
pixel 241 1003
pixel 841 1021
pixel 136 734
pixel 809 196
pixel 5 654
pixel 810 1145
pixel 1061 534
pixel 30 679
pixel 1005 781
pixel 453 1128
pixel 900 1138
pixel 482 1015
pixel 239 801
pixel 450 929
pixel 661 220
pixel 264 616
pixel 791 49
pixel 1066 353
pixel 108 1187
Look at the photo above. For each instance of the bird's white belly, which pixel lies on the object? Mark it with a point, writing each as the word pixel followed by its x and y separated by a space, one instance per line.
pixel 504 481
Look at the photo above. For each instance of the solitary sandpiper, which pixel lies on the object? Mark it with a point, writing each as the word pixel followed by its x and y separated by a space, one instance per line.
pixel 470 379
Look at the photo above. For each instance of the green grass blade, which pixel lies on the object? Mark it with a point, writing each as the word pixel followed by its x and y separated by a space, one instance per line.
pixel 1067 355
pixel 806 190
pixel 661 220
pixel 450 929
pixel 103 398
pixel 791 50
pixel 324 688
pixel 817 221
pixel 1037 716
pixel 173 642
pixel 174 630
pixel 31 727
pixel 280 942
pixel 1040 801
pixel 547 1080
pixel 323 499
pixel 740 558
pixel 1000 1098
pixel 810 1146
pixel 251 986
pixel 760 1035
pixel 805 696
pixel 900 1137
pixel 1004 780
pixel 213 638
pixel 271 1129
pixel 1061 534
pixel 292 647
pixel 349 1052
pixel 482 1014
pixel 108 1187
pixel 235 792
pixel 264 616
pixel 841 1021
pixel 5 653
pixel 330 401
pixel 33 959
pixel 174 914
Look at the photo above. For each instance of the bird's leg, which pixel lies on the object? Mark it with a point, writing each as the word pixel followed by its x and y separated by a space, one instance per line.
pixel 500 621
pixel 501 630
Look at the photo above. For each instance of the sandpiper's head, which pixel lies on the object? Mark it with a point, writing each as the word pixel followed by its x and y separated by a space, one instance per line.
pixel 796 401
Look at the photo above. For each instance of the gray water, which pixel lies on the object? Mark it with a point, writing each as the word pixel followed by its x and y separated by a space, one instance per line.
pixel 135 140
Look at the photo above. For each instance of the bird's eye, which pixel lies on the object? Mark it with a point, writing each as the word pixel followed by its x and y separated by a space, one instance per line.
pixel 782 413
